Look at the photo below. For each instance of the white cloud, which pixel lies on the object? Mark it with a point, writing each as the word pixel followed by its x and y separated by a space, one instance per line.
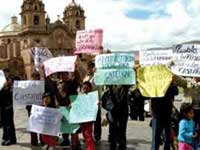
pixel 122 33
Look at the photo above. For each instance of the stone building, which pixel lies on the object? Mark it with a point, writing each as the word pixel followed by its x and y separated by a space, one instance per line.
pixel 36 29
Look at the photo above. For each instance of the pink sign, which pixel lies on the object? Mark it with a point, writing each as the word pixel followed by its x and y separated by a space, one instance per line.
pixel 60 64
pixel 89 41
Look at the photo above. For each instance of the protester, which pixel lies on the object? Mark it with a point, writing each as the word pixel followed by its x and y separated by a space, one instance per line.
pixel 186 127
pixel 115 101
pixel 34 136
pixel 88 126
pixel 7 114
pixel 50 141
pixel 97 124
pixel 67 87
pixel 161 122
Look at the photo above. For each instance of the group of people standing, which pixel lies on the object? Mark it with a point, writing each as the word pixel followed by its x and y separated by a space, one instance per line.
pixel 115 100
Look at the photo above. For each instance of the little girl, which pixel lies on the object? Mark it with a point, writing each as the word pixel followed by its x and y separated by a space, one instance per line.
pixel 50 141
pixel 88 126
pixel 186 127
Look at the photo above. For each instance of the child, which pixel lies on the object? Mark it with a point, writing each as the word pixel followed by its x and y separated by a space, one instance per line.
pixel 50 141
pixel 186 127
pixel 87 127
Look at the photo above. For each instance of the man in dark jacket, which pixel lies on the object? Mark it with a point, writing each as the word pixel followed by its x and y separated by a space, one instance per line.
pixel 161 122
pixel 7 114
pixel 115 101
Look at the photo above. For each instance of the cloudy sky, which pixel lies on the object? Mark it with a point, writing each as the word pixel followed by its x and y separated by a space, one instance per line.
pixel 129 24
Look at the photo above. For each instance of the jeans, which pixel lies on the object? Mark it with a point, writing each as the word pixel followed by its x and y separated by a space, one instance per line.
pixel 160 126
pixel 97 126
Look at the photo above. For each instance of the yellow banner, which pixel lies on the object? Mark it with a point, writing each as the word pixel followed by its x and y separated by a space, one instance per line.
pixel 153 81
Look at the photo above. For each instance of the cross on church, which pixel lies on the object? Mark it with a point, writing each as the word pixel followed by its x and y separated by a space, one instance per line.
pixel 58 17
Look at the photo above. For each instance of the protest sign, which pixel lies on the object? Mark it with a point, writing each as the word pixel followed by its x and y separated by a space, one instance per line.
pixel 114 77
pixel 153 81
pixel 2 79
pixel 28 92
pixel 89 41
pixel 44 120
pixel 84 107
pixel 40 55
pixel 186 58
pixel 114 61
pixel 66 127
pixel 155 57
pixel 60 64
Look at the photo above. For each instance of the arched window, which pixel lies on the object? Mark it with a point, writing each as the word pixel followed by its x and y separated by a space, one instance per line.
pixel 78 24
pixel 3 52
pixel 36 8
pixel 36 20
pixel 9 41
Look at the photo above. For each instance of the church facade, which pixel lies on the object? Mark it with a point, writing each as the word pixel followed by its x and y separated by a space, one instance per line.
pixel 37 30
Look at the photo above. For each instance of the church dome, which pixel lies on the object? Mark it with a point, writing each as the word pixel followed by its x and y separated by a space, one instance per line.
pixel 14 26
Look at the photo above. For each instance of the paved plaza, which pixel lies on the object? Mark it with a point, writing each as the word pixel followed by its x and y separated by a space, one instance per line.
pixel 138 134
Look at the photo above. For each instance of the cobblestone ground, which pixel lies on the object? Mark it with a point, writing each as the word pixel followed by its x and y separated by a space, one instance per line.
pixel 138 135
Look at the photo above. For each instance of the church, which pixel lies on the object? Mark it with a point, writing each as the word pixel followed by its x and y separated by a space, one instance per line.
pixel 37 30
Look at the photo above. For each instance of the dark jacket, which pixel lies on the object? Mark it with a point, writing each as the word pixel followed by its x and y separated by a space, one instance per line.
pixel 6 99
pixel 162 107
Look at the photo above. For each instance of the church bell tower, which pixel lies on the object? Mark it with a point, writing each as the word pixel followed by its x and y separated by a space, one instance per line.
pixel 33 15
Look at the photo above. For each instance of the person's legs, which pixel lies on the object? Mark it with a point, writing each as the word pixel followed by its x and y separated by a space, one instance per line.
pixel 166 131
pixel 11 126
pixel 97 126
pixel 141 110
pixel 5 136
pixel 66 141
pixel 34 137
pixel 156 134
pixel 122 132
pixel 87 134
pixel 113 135
pixel 75 142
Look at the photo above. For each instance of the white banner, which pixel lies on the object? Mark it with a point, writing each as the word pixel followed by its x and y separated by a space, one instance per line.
pixel 155 57
pixel 40 55
pixel 60 64
pixel 186 59
pixel 2 79
pixel 44 120
pixel 28 92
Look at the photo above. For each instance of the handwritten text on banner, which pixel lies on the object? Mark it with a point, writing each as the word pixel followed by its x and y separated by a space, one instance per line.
pixel 155 57
pixel 186 59
pixel 153 81
pixel 114 61
pixel 84 107
pixel 60 64
pixel 28 92
pixel 44 120
pixel 89 41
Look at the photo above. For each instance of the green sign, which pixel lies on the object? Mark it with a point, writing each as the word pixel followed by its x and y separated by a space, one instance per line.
pixel 116 60
pixel 84 107
pixel 114 77
pixel 66 127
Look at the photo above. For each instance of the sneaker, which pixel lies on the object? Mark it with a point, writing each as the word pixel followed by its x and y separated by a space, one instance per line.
pixel 3 143
pixel 7 143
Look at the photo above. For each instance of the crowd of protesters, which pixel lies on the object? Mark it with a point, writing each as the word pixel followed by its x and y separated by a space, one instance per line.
pixel 175 130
